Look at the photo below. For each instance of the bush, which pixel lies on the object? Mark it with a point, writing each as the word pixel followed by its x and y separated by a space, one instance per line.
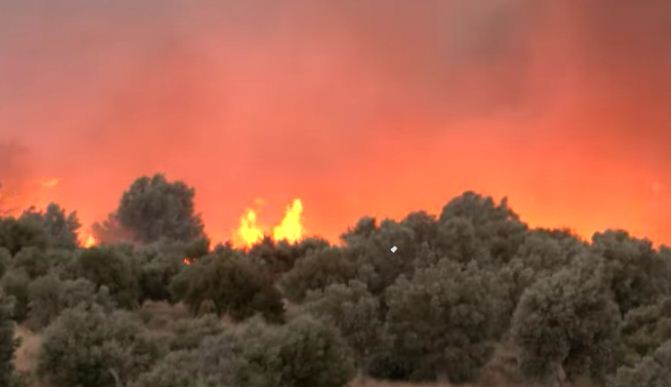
pixel 15 234
pixel 310 354
pixel 354 311
pixel 5 261
pixel 303 353
pixel 318 269
pixel 114 268
pixel 640 274
pixel 225 283
pixel 442 321
pixel 88 347
pixel 651 371
pixel 154 208
pixel 568 322
pixel 7 342
pixel 15 285
pixel 60 228
pixel 49 295
pixel 38 262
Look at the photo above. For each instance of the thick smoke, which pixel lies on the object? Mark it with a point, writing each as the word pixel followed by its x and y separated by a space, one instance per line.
pixel 357 107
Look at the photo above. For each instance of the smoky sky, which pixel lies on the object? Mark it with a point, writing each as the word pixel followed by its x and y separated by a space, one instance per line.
pixel 357 107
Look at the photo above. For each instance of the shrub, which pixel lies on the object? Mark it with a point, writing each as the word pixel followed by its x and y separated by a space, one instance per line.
pixel 7 342
pixel 568 321
pixel 441 322
pixel 303 353
pixel 114 268
pixel 49 295
pixel 225 283
pixel 353 310
pixel 15 234
pixel 640 274
pixel 88 347
pixel 651 371
pixel 15 285
pixel 318 269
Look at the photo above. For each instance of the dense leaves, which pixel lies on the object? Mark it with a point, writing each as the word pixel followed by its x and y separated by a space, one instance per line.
pixel 225 283
pixel 465 292
pixel 88 347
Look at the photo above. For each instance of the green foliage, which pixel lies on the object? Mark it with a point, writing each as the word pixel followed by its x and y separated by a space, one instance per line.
pixel 15 234
pixel 7 342
pixel 651 371
pixel 5 261
pixel 378 267
pixel 442 321
pixel 90 348
pixel 38 262
pixel 161 261
pixel 310 354
pixel 568 322
pixel 114 268
pixel 280 257
pixel 60 228
pixel 154 208
pixel 640 274
pixel 354 311
pixel 15 286
pixel 49 295
pixel 226 283
pixel 644 329
pixel 496 226
pixel 303 353
pixel 318 269
pixel 189 333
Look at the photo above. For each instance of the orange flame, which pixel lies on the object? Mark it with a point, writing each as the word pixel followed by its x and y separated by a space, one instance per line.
pixel 90 242
pixel 187 261
pixel 248 233
pixel 290 228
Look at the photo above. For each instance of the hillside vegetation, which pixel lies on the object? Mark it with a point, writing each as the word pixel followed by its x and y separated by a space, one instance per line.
pixel 472 296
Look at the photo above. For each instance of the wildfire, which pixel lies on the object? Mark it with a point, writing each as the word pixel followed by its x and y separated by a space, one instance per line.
pixel 289 229
pixel 248 233
pixel 187 261
pixel 90 242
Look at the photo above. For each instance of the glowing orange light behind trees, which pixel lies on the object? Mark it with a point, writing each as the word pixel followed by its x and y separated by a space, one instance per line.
pixel 290 227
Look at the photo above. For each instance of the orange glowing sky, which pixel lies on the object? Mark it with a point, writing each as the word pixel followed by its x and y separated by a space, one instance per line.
pixel 357 107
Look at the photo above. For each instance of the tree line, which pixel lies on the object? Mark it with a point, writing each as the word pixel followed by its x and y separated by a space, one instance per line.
pixel 463 288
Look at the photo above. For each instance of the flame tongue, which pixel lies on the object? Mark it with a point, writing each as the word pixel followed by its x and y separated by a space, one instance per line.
pixel 248 233
pixel 90 242
pixel 290 228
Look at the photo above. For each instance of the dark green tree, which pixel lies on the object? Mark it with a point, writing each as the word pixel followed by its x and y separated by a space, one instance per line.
pixel 318 269
pixel 154 208
pixel 354 311
pixel 88 347
pixel 651 371
pixel 15 286
pixel 16 234
pixel 495 225
pixel 115 268
pixel 640 274
pixel 7 341
pixel 226 283
pixel 443 321
pixel 568 324
pixel 60 228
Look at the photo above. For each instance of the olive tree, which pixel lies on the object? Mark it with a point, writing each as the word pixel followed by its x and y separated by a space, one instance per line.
pixel 86 346
pixel 567 324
